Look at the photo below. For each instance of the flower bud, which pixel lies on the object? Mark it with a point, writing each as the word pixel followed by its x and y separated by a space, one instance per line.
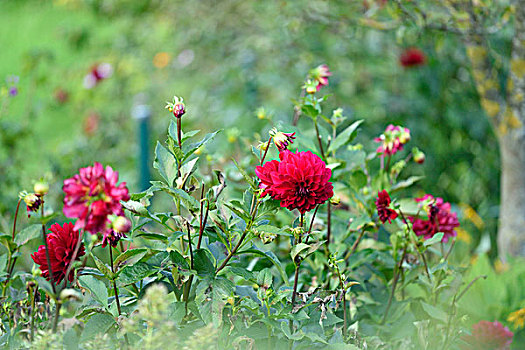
pixel 282 139
pixel 33 202
pixel 121 224
pixel 41 188
pixel 419 157
pixel 335 200
pixel 261 113
pixel 310 87
pixel 177 107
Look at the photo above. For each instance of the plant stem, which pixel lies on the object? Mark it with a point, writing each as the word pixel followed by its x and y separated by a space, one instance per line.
pixel 266 150
pixel 57 314
pixel 319 141
pixel 244 234
pixel 113 280
pixel 297 265
pixel 421 254
pixel 394 284
pixel 11 263
pixel 203 218
pixel 311 225
pixel 179 132
pixel 297 111
pixel 356 243
pixel 32 297
pixel 328 223
pixel 187 287
pixel 48 260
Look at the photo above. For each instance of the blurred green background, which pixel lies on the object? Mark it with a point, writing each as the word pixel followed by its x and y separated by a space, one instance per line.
pixel 227 59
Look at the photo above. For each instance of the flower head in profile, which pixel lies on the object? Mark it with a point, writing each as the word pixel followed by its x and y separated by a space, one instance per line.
pixel 120 225
pixel 32 200
pixel 440 219
pixel 61 242
pixel 392 140
pixel 382 204
pixel 488 336
pixel 92 195
pixel 282 139
pixel 412 57
pixel 177 107
pixel 299 180
pixel 97 73
pixel 320 76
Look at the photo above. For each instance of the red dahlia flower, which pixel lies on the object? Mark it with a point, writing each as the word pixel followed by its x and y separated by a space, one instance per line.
pixel 382 205
pixel 412 57
pixel 488 336
pixel 61 243
pixel 92 195
pixel 392 140
pixel 299 180
pixel 440 219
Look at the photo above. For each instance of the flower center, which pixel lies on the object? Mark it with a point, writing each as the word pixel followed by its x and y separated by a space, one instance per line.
pixel 302 190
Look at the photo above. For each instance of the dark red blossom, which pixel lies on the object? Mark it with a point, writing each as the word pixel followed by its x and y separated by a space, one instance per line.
pixel 299 180
pixel 61 242
pixel 92 195
pixel 440 219
pixel 412 57
pixel 382 205
pixel 488 336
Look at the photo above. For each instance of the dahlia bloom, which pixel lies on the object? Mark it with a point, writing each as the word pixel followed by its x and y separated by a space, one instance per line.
pixel 320 76
pixel 392 140
pixel 120 225
pixel 33 202
pixel 61 243
pixel 92 195
pixel 299 180
pixel 488 336
pixel 382 204
pixel 440 219
pixel 412 57
pixel 96 74
pixel 282 139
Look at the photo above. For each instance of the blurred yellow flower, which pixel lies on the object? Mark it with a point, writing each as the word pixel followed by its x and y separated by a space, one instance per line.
pixel 470 214
pixel 463 235
pixel 518 318
pixel 161 59
pixel 500 266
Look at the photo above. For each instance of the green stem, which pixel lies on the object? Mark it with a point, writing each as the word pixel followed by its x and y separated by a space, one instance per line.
pixel 11 262
pixel 48 260
pixel 115 290
pixel 394 284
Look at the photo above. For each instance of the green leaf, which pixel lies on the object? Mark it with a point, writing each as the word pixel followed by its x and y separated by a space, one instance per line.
pixel 3 263
pixel 27 234
pixel 179 260
pixel 270 256
pixel 435 313
pixel 44 284
pixel 188 201
pixel 297 249
pixel 136 208
pixel 97 324
pixel 165 163
pixel 406 183
pixel 96 287
pixel 130 256
pixel 102 267
pixel 188 151
pixel 409 207
pixel 242 272
pixel 202 263
pixel 344 137
pixel 153 236
pixel 435 239
pixel 248 178
pixel 133 273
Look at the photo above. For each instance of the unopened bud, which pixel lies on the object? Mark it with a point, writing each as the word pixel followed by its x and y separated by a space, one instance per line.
pixel 335 200
pixel 310 87
pixel 177 107
pixel 121 224
pixel 419 157
pixel 41 188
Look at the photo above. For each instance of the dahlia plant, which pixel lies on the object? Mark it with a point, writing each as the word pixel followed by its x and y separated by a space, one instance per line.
pixel 310 241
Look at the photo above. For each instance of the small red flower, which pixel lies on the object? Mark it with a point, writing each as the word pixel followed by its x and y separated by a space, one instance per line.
pixel 96 74
pixel 392 140
pixel 61 243
pixel 320 76
pixel 92 195
pixel 382 205
pixel 440 219
pixel 412 57
pixel 299 180
pixel 488 336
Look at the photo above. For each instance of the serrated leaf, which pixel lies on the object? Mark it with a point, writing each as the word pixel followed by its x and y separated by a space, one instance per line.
pixel 270 256
pixel 178 260
pixel 406 183
pixel 188 151
pixel 130 256
pixel 165 163
pixel 188 201
pixel 136 208
pixel 27 234
pixel 134 273
pixel 298 248
pixel 344 137
pixel 96 287
pixel 202 263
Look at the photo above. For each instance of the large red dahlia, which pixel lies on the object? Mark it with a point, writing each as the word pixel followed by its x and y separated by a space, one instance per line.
pixel 61 243
pixel 299 180
pixel 488 336
pixel 440 219
pixel 92 195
